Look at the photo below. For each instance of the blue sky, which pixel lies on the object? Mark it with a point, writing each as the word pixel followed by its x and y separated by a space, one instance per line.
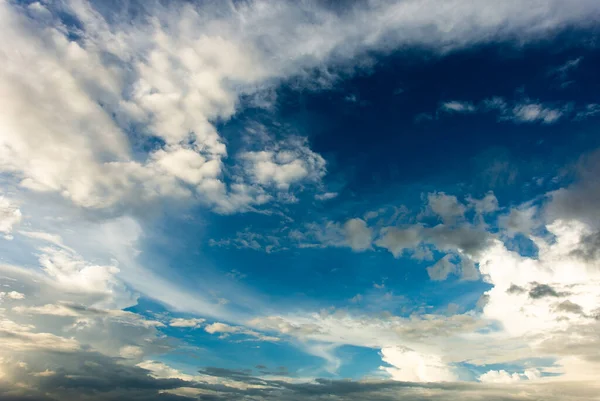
pixel 274 200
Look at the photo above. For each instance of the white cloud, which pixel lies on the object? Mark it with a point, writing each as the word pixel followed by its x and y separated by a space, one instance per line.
pixel 10 216
pixel 411 366
pixel 285 165
pixel 455 106
pixel 503 377
pixel 12 295
pixel 225 330
pixel 173 77
pixel 192 323
pixel 533 112
pixel 326 196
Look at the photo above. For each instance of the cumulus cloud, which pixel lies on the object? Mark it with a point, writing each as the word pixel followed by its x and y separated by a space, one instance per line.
pixel 410 366
pixel 487 204
pixel 503 377
pixel 172 78
pixel 519 221
pixel 441 269
pixel 358 234
pixel 396 240
pixel 284 166
pixel 447 207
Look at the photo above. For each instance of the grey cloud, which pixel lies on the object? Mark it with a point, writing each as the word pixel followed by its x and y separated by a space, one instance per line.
pixel 544 290
pixel 92 377
pixel 396 240
pixel 569 307
pixel 468 270
pixel 442 269
pixel 515 289
pixel 447 207
pixel 85 376
pixel 466 238
pixel 487 204
pixel 579 340
pixel 519 221
pixel 448 265
pixel 589 247
pixel 581 200
pixel 358 234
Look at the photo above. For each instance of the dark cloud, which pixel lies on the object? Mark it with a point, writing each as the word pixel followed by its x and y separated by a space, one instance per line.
pixel 94 377
pixel 544 290
pixel 84 376
pixel 466 238
pixel 581 200
pixel 588 247
pixel 515 289
pixel 569 307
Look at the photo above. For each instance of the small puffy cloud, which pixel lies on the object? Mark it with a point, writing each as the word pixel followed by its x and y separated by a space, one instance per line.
pixel 543 290
pixel 358 234
pixel 534 112
pixel 131 352
pixel 283 166
pixel 326 196
pixel 356 299
pixel 465 238
pixel 503 377
pixel 193 323
pixel 455 106
pixel 447 207
pixel 397 240
pixel 468 270
pixel 519 221
pixel 186 164
pixel 442 268
pixel 487 204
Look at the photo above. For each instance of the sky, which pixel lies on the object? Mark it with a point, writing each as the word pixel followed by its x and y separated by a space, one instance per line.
pixel 288 200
